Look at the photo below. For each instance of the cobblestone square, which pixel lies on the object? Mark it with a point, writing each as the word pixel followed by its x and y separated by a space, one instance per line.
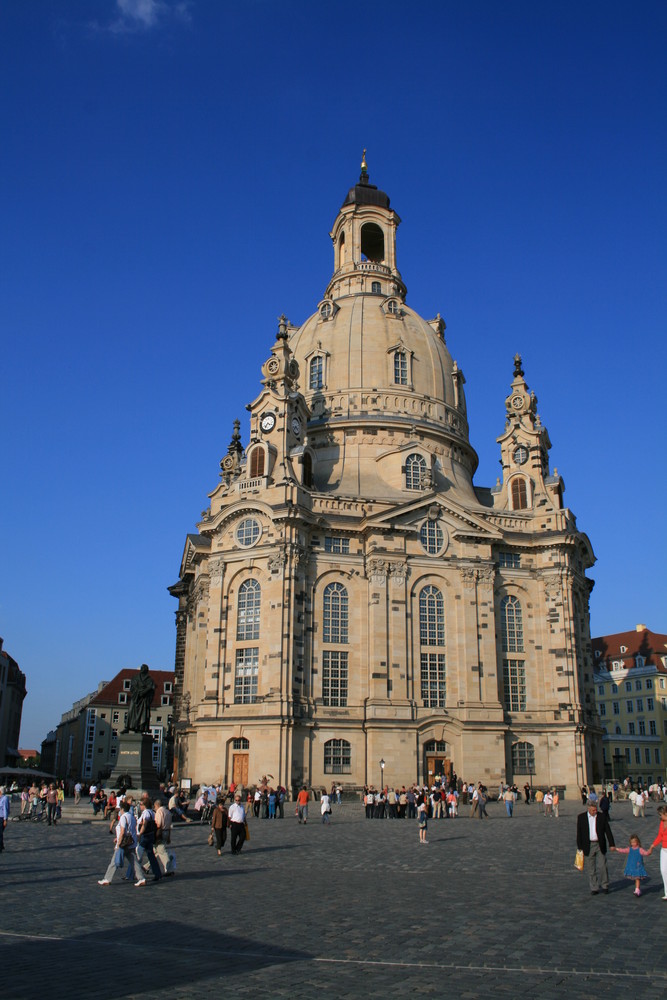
pixel 489 908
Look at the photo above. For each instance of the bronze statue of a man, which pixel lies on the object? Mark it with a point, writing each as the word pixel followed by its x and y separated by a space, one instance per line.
pixel 142 690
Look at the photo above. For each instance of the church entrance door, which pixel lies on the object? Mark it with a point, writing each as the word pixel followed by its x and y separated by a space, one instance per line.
pixel 240 769
pixel 437 766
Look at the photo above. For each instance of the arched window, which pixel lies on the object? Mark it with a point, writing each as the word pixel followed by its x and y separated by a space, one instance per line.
pixel 400 368
pixel 326 310
pixel 519 493
pixel 257 463
pixel 432 641
pixel 335 619
pixel 431 617
pixel 392 307
pixel 511 624
pixel 341 250
pixel 415 469
pixel 376 288
pixel 337 757
pixel 523 758
pixel 372 242
pixel 307 470
pixel 247 620
pixel 316 373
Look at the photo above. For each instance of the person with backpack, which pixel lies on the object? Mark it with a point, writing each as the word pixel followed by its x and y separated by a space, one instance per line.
pixel 147 828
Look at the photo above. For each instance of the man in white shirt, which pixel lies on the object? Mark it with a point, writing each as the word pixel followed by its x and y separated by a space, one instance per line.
pixel 237 824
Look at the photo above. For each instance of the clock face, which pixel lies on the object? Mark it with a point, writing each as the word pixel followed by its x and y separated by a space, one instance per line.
pixel 517 402
pixel 268 422
pixel 296 426
pixel 520 455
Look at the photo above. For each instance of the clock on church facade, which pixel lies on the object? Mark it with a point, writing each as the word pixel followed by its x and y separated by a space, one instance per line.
pixel 351 595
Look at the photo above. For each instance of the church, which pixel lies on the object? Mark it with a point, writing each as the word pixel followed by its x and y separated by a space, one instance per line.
pixel 352 607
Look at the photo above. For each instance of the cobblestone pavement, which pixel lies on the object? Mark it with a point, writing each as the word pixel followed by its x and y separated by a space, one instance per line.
pixel 490 908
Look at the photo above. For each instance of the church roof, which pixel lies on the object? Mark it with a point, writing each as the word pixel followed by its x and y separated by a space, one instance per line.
pixel 364 193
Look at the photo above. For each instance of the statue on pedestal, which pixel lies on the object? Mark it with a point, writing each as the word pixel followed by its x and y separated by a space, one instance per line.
pixel 142 690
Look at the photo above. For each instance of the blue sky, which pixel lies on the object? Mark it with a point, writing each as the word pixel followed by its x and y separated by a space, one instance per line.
pixel 170 173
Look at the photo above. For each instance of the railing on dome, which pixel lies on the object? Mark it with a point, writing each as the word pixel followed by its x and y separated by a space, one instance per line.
pixel 371 265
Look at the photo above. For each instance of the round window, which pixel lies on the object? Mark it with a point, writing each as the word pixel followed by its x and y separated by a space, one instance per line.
pixel 433 537
pixel 248 532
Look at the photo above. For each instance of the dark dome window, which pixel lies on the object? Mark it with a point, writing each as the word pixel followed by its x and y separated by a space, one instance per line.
pixel 372 242
pixel 376 288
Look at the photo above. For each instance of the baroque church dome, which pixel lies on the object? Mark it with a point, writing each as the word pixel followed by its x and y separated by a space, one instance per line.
pixel 370 365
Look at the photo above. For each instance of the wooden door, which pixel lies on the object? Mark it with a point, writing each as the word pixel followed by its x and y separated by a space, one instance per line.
pixel 437 764
pixel 240 769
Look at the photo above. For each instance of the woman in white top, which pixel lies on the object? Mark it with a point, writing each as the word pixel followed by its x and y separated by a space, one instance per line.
pixel 125 848
pixel 325 807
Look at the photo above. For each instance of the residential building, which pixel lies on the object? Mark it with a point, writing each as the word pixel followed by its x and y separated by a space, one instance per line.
pixel 631 698
pixel 85 743
pixel 12 693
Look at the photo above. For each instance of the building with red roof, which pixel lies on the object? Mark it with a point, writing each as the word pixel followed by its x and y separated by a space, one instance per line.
pixel 631 696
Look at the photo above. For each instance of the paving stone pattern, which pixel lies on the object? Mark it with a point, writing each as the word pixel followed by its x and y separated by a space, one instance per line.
pixel 359 908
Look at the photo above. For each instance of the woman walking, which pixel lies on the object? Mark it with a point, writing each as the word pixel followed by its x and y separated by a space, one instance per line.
pixel 125 848
pixel 661 840
pixel 219 821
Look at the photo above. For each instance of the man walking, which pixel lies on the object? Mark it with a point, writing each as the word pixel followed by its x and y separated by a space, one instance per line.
pixel 4 815
pixel 593 834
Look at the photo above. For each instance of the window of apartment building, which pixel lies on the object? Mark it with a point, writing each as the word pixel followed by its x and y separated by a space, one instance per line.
pixel 126 685
pixel 638 685
pixel 616 707
pixel 631 729
pixel 649 684
pixel 628 685
pixel 656 754
pixel 650 704
pixel 638 755
pixel 652 728
pixel 122 698
pixel 647 755
pixel 603 708
pixel 614 689
pixel 642 728
pixel 628 756
pixel 628 706
pixel 601 689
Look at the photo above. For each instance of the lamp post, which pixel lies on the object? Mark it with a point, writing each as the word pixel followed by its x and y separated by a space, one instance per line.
pixel 381 775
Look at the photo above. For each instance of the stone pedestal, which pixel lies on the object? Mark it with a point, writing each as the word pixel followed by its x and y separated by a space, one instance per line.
pixel 134 763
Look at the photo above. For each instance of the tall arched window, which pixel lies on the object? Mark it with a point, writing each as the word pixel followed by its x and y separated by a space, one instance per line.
pixel 256 463
pixel 335 632
pixel 519 493
pixel 415 470
pixel 511 625
pixel 247 620
pixel 400 368
pixel 432 641
pixel 307 470
pixel 341 250
pixel 316 373
pixel 431 617
pixel 372 242
pixel 337 757
pixel 335 619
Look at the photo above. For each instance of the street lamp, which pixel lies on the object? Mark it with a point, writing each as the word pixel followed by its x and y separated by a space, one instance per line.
pixel 381 775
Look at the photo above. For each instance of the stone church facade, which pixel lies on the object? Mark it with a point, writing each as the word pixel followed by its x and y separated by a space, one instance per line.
pixel 352 607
